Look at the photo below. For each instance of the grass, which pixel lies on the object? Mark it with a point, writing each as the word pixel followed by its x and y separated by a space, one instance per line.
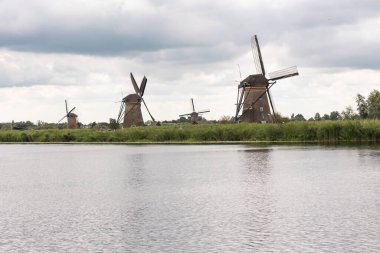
pixel 320 132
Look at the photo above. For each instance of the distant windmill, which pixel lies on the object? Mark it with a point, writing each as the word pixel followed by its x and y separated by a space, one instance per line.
pixel 71 117
pixel 194 115
pixel 130 108
pixel 254 91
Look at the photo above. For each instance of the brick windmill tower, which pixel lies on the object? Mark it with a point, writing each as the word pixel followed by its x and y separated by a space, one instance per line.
pixel 254 101
pixel 130 108
pixel 71 117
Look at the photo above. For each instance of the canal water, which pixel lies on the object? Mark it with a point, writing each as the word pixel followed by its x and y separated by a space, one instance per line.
pixel 189 198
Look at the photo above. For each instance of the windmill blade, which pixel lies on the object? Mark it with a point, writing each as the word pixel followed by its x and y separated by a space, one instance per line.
pixel 119 116
pixel 148 110
pixel 239 72
pixel 185 114
pixel 239 104
pixel 142 86
pixel 283 73
pixel 237 96
pixel 135 84
pixel 260 57
pixel 192 105
pixel 62 118
pixel 67 110
pixel 255 56
pixel 204 111
pixel 70 111
pixel 271 103
pixel 259 64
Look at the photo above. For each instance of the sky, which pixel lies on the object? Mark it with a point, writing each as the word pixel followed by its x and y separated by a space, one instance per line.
pixel 84 50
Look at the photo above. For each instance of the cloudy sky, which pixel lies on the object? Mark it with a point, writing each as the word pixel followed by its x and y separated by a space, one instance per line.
pixel 84 50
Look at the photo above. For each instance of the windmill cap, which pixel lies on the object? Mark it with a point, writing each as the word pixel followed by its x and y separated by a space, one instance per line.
pixel 132 98
pixel 255 79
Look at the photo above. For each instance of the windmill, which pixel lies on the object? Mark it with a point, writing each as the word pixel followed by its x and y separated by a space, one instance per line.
pixel 254 91
pixel 71 117
pixel 130 108
pixel 194 115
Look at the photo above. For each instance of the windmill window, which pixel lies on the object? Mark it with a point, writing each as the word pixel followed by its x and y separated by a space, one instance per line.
pixel 261 109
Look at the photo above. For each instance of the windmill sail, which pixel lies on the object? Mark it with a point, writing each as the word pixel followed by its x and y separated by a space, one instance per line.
pixel 192 105
pixel 67 110
pixel 142 86
pixel 146 107
pixel 137 90
pixel 239 104
pixel 259 64
pixel 283 73
pixel 271 103
pixel 120 116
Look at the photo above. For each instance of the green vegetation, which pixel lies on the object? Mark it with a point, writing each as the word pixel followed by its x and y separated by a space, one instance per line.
pixel 306 131
pixel 347 126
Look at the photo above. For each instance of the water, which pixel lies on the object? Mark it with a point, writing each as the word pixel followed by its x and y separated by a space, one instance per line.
pixel 234 198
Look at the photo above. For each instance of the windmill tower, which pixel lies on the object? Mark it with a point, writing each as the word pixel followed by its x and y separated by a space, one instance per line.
pixel 130 108
pixel 254 100
pixel 194 115
pixel 71 117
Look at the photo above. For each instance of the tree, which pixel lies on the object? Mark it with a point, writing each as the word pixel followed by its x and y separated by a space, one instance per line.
pixel 280 118
pixel 326 117
pixel 362 106
pixel 373 103
pixel 348 113
pixel 113 124
pixel 317 117
pixel 6 126
pixel 334 115
pixel 23 125
pixel 183 120
pixel 226 119
pixel 299 117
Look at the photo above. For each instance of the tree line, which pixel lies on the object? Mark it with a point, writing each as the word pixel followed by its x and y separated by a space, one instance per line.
pixel 366 108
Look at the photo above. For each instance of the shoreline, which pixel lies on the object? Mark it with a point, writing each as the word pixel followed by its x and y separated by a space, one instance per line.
pixel 324 143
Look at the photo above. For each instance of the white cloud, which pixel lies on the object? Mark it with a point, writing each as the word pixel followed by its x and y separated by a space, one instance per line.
pixel 49 52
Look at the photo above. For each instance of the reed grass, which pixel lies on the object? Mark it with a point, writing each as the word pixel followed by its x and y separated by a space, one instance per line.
pixel 320 132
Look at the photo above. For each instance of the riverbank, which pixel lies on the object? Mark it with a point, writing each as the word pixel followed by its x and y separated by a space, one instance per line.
pixel 308 132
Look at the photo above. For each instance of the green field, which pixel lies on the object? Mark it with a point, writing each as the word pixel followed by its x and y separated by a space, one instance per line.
pixel 319 132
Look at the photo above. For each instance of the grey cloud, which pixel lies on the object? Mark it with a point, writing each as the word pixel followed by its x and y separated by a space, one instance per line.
pixel 194 32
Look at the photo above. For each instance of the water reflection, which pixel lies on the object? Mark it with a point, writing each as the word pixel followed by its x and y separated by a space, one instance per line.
pixel 135 167
pixel 189 199
pixel 259 206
